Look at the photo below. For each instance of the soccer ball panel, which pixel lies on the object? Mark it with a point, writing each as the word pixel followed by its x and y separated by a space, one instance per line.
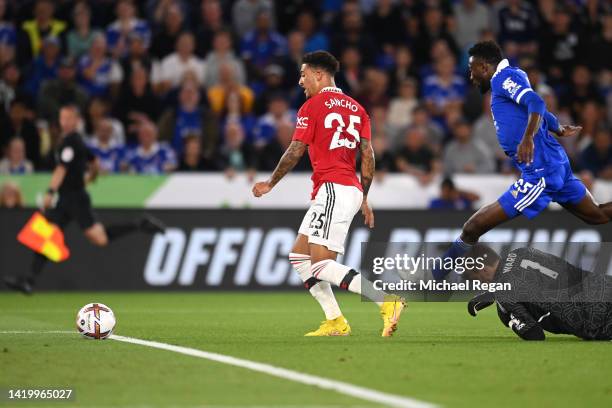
pixel 95 321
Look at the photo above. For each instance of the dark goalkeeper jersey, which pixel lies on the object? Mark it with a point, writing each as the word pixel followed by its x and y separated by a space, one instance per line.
pixel 550 294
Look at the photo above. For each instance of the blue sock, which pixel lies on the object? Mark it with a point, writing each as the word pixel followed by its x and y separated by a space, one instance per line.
pixel 456 250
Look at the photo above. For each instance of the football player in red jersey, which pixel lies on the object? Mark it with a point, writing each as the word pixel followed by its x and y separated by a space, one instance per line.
pixel 332 126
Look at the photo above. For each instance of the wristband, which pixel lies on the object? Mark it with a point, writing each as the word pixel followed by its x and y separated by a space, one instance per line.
pixel 51 191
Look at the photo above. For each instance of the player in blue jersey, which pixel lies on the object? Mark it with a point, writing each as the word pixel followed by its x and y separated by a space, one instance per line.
pixel 524 128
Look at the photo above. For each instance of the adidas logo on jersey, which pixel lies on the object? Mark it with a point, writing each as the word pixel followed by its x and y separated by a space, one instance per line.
pixel 315 234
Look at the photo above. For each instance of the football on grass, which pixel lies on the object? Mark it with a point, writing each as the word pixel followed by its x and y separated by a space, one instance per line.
pixel 95 321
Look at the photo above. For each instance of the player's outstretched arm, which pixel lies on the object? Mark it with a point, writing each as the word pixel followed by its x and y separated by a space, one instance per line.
pixel 290 158
pixel 552 123
pixel 517 318
pixel 568 130
pixel 367 175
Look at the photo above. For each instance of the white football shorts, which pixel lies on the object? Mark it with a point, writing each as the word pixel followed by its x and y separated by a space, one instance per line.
pixel 329 217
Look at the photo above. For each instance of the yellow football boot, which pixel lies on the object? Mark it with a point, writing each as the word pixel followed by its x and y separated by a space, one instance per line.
pixel 390 312
pixel 337 327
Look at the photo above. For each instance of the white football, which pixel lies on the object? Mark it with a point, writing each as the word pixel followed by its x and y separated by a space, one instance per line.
pixel 95 321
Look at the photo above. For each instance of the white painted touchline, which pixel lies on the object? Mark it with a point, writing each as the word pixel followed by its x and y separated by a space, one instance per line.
pixel 356 391
pixel 308 379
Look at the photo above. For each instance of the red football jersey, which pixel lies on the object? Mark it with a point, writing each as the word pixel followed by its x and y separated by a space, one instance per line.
pixel 332 124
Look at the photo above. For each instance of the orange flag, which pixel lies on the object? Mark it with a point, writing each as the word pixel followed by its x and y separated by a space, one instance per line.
pixel 44 237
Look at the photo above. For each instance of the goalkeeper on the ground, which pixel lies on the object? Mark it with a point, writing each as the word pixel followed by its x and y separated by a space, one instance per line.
pixel 548 294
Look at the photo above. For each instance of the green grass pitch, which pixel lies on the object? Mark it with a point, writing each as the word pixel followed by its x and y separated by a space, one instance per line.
pixel 440 354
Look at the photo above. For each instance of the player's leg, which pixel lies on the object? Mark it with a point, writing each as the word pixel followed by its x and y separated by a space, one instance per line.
pixel 482 221
pixel 335 324
pixel 100 234
pixel 327 241
pixel 96 234
pixel 25 283
pixel 576 198
pixel 325 267
pixel 589 210
pixel 329 219
pixel 527 196
pixel 320 290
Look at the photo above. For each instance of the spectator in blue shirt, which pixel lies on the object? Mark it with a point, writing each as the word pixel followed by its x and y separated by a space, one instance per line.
pixel 444 87
pixel 189 117
pixel 267 126
pixel 263 45
pixel 44 67
pixel 109 151
pixel 315 39
pixel 118 33
pixel 97 72
pixel 150 156
pixel 15 161
pixel 453 199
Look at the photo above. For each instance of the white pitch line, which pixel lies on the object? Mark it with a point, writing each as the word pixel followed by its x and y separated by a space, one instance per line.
pixel 308 379
pixel 356 391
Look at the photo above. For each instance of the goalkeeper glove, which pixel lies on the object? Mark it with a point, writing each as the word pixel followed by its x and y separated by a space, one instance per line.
pixel 479 302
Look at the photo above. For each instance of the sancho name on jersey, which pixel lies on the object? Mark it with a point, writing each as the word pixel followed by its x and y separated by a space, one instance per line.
pixel 332 125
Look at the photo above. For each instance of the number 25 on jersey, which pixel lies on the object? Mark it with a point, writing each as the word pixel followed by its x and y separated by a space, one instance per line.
pixel 337 140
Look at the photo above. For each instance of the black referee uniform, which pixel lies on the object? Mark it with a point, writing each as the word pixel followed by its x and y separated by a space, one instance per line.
pixel 74 202
pixel 550 294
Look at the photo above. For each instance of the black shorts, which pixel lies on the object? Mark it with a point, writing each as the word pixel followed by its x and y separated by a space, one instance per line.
pixel 74 205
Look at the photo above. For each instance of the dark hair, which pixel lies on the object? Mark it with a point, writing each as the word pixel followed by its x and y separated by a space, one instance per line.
pixel 448 183
pixel 73 108
pixel 488 51
pixel 223 32
pixel 322 60
pixel 486 254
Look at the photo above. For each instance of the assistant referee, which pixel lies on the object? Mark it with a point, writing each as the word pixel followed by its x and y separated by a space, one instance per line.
pixel 76 167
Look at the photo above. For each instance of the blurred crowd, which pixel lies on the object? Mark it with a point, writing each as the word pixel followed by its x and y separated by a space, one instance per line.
pixel 211 85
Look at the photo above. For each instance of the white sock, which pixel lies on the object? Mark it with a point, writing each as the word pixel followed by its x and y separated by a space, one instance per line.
pixel 324 294
pixel 321 291
pixel 334 272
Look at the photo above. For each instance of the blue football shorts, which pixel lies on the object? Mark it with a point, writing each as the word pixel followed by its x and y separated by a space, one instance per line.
pixel 532 193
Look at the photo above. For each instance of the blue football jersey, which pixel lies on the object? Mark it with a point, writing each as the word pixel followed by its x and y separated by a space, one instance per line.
pixel 156 161
pixel 509 87
pixel 110 157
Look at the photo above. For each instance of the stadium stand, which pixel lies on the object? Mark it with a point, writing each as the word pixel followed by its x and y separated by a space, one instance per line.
pixel 212 85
